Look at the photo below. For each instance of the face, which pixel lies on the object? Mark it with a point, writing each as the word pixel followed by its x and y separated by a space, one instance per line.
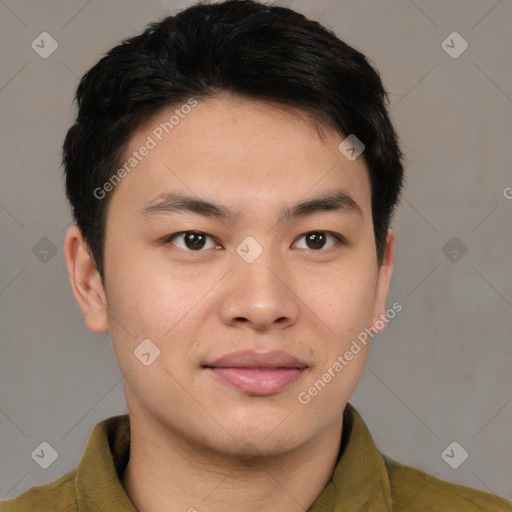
pixel 246 304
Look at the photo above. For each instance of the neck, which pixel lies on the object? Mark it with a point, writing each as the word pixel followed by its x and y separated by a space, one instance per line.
pixel 169 473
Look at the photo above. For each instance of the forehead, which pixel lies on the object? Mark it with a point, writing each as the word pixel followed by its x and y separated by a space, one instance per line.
pixel 229 146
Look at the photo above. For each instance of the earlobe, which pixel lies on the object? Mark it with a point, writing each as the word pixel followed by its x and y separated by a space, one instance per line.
pixel 384 280
pixel 85 281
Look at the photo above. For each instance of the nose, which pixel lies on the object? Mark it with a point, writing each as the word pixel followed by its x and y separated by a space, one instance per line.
pixel 260 294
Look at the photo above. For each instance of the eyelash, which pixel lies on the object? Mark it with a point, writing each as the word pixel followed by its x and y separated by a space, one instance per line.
pixel 341 240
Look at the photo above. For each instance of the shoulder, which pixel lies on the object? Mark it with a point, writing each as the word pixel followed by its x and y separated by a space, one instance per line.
pixel 414 490
pixel 57 496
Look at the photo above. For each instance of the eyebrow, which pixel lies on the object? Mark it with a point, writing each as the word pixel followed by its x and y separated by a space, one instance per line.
pixel 172 202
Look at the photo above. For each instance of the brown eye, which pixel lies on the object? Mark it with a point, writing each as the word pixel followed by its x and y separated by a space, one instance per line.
pixel 192 240
pixel 316 240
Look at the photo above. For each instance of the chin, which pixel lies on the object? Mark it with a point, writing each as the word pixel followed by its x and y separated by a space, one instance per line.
pixel 250 449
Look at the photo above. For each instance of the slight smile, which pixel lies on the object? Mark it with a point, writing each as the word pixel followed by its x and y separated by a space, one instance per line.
pixel 258 373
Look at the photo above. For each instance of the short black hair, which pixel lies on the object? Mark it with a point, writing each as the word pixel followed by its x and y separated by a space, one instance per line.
pixel 241 47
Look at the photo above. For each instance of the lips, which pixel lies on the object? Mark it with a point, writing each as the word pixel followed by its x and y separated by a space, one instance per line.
pixel 251 359
pixel 258 373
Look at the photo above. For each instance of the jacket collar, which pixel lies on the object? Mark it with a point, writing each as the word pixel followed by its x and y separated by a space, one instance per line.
pixel 360 479
pixel 359 482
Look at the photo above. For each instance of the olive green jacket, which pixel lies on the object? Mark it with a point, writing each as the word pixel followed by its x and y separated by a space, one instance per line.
pixel 363 480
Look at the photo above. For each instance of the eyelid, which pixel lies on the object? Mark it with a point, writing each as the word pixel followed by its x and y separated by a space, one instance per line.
pixel 168 239
pixel 340 239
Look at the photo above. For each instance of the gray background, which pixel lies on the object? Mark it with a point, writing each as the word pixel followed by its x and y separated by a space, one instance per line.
pixel 439 373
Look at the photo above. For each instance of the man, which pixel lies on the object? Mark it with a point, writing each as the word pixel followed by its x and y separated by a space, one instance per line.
pixel 233 173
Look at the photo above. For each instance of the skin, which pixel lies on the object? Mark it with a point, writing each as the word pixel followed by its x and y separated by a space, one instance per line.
pixel 198 442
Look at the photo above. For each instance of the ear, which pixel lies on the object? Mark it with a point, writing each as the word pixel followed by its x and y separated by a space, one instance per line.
pixel 85 281
pixel 384 279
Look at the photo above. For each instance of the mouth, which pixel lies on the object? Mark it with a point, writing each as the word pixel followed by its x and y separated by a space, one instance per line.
pixel 258 373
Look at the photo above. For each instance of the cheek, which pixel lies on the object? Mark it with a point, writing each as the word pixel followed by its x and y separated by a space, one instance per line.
pixel 138 297
pixel 345 300
pixel 345 312
pixel 159 303
pixel 149 304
